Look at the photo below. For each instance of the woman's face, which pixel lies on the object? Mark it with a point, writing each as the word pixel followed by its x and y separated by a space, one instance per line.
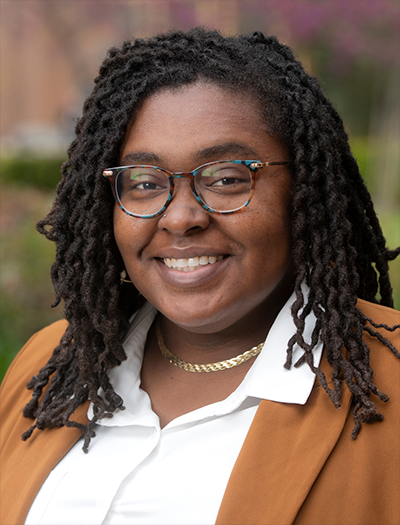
pixel 180 130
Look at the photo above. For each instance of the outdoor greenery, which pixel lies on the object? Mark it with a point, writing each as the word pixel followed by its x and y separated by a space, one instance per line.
pixel 36 172
pixel 25 259
pixel 27 191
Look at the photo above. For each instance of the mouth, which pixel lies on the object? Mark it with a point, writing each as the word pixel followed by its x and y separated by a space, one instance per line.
pixel 191 263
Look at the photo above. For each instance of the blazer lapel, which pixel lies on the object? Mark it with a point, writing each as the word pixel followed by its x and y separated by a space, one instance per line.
pixel 285 449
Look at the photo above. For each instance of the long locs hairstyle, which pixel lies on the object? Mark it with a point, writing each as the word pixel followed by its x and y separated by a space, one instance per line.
pixel 338 246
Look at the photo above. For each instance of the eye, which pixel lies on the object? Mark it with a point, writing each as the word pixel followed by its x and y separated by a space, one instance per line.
pixel 225 177
pixel 144 180
pixel 141 184
pixel 227 181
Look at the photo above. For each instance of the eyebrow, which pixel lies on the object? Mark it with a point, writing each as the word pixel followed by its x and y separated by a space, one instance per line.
pixel 218 150
pixel 213 152
pixel 140 157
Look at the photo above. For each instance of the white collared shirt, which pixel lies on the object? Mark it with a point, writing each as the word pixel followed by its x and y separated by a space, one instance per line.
pixel 137 473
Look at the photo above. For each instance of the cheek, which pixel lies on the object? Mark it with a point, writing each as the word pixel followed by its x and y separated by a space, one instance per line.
pixel 271 238
pixel 274 242
pixel 132 236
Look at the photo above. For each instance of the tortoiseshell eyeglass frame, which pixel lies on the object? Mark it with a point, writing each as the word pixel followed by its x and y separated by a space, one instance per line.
pixel 253 165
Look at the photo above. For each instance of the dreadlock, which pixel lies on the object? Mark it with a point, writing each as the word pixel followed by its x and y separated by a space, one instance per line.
pixel 338 246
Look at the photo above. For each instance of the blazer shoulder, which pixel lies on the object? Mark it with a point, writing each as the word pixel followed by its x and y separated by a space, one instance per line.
pixel 40 346
pixel 30 359
pixel 378 313
pixel 387 329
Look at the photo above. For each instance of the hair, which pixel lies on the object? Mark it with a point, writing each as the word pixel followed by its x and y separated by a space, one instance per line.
pixel 338 246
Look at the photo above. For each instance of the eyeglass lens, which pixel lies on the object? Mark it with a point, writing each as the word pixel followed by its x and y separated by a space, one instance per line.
pixel 220 186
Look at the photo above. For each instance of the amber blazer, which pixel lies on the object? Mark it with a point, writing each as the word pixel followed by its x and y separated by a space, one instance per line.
pixel 298 464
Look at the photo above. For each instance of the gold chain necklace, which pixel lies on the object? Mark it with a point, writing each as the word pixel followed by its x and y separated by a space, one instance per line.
pixel 210 367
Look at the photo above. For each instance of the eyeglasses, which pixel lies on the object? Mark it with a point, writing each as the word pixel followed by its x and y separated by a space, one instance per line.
pixel 225 186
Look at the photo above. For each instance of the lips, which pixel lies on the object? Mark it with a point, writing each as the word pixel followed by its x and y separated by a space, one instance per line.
pixel 190 264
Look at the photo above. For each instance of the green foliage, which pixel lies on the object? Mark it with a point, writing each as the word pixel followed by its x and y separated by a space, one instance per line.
pixel 390 223
pixel 359 147
pixel 25 258
pixel 38 172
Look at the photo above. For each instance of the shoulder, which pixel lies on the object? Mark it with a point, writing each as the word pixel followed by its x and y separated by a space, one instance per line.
pixel 37 350
pixel 387 330
pixel 31 358
pixel 387 321
pixel 384 350
pixel 378 313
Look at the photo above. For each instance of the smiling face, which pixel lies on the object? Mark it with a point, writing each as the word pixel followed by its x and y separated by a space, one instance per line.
pixel 207 272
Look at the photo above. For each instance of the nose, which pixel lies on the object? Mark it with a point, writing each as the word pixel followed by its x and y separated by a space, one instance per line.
pixel 184 214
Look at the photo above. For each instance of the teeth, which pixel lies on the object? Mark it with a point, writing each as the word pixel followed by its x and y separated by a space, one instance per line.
pixel 191 263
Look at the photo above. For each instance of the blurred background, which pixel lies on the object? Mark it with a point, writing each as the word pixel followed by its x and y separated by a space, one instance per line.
pixel 52 49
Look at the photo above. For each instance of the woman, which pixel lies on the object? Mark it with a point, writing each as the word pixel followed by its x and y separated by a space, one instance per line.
pixel 204 292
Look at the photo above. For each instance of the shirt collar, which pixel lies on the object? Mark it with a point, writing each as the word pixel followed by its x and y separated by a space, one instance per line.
pixel 266 379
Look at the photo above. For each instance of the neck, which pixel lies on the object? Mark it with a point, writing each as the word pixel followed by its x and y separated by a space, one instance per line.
pixel 201 347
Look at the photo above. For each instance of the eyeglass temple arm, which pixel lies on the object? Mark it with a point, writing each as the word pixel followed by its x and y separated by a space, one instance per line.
pixel 272 163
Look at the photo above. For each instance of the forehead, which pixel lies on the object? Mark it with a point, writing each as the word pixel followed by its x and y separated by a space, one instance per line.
pixel 173 124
